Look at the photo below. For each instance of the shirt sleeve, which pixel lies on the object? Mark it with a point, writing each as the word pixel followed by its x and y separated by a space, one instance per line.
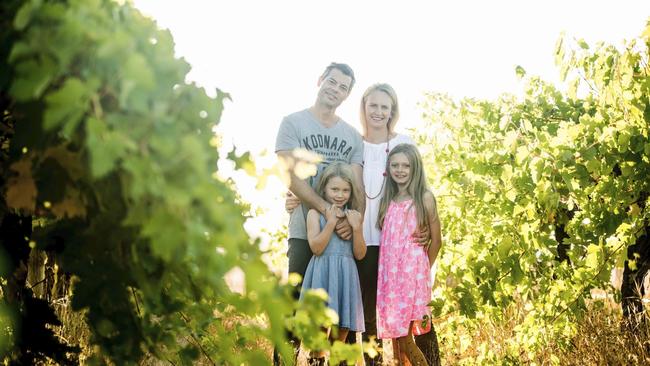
pixel 357 153
pixel 287 138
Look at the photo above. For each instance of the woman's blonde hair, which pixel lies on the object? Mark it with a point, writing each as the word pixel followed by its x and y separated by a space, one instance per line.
pixel 417 186
pixel 394 110
pixel 343 171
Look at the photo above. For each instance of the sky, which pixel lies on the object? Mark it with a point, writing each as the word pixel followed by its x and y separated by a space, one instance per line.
pixel 269 54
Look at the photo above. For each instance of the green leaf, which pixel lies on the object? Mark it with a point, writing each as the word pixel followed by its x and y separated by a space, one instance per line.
pixel 593 165
pixel 504 247
pixel 137 71
pixel 516 274
pixel 32 78
pixel 243 162
pixel 593 252
pixel 18 51
pixel 466 302
pixel 24 14
pixel 623 141
pixel 105 147
pixel 221 97
pixel 583 44
pixel 66 106
pixel 166 233
pixel 520 72
pixel 522 155
pixel 572 91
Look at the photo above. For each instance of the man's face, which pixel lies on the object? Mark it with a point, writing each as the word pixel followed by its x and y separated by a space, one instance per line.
pixel 334 88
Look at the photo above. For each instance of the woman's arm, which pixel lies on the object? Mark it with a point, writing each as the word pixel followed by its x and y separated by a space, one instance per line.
pixel 318 239
pixel 434 227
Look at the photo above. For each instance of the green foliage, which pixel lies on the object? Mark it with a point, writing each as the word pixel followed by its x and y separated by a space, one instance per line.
pixel 515 172
pixel 112 147
pixel 113 151
pixel 310 320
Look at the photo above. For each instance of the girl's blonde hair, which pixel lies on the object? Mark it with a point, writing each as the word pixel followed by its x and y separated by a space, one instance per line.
pixel 394 110
pixel 343 171
pixel 417 186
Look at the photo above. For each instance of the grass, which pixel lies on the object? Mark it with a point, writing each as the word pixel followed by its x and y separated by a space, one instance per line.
pixel 603 337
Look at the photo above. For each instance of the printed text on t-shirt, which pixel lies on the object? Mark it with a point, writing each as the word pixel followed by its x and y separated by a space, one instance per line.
pixel 318 142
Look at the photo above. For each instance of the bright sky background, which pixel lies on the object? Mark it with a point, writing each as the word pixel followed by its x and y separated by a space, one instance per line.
pixel 269 54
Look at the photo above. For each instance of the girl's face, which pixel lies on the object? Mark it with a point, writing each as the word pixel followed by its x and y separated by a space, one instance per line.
pixel 400 169
pixel 337 191
pixel 378 110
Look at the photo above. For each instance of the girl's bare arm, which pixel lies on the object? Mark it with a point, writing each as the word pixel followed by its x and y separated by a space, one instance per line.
pixel 318 239
pixel 434 227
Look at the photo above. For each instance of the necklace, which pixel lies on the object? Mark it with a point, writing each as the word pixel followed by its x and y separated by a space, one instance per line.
pixel 384 174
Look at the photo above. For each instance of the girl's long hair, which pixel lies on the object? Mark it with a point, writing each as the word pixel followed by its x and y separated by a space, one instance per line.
pixel 417 186
pixel 343 171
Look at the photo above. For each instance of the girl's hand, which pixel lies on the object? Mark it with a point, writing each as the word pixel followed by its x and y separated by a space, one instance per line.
pixel 291 202
pixel 354 218
pixel 331 214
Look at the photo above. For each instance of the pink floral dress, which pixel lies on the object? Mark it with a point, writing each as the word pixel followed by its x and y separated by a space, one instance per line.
pixel 404 281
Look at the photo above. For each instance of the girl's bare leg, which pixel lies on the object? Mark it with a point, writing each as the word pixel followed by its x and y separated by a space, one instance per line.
pixel 314 354
pixel 408 348
pixel 343 334
pixel 398 356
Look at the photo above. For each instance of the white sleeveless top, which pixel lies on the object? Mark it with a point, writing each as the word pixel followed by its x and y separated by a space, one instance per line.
pixel 374 166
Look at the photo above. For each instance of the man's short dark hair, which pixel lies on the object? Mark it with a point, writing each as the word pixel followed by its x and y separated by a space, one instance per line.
pixel 344 68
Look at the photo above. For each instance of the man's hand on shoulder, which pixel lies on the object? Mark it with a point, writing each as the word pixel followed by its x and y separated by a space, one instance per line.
pixel 343 229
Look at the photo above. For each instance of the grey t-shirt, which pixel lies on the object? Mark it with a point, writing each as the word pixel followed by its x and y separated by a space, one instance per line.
pixel 340 142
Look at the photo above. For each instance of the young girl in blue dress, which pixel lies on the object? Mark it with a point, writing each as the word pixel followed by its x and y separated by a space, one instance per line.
pixel 333 267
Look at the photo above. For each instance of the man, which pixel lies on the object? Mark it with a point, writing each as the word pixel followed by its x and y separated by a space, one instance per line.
pixel 320 130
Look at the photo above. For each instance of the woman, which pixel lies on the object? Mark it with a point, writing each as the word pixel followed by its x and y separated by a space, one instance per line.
pixel 379 115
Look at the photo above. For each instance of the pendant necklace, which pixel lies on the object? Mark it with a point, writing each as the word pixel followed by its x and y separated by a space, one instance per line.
pixel 383 182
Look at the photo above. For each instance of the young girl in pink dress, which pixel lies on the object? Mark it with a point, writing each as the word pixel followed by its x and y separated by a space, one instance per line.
pixel 404 281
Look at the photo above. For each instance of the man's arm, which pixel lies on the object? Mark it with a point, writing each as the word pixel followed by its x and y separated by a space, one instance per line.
pixel 358 176
pixel 302 189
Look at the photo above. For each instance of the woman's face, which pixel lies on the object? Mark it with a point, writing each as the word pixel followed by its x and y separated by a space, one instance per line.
pixel 378 110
